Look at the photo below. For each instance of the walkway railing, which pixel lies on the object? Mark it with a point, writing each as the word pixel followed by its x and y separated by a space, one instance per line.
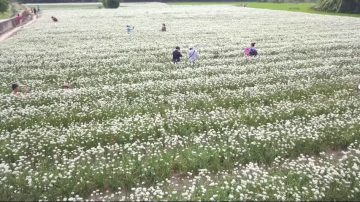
pixel 11 23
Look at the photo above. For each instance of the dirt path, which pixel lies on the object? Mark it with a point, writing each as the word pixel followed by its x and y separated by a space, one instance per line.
pixel 13 31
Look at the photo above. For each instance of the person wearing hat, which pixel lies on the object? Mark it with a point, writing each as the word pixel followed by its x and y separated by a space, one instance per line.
pixel 193 55
pixel 177 55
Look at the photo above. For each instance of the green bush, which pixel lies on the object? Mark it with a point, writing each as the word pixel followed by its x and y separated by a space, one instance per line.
pixel 111 3
pixel 340 6
pixel 4 5
pixel 104 2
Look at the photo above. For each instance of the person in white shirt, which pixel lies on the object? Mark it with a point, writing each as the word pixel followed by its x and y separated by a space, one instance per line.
pixel 193 55
pixel 129 29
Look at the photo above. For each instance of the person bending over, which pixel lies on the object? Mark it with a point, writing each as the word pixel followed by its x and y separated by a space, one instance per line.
pixel 251 51
pixel 54 19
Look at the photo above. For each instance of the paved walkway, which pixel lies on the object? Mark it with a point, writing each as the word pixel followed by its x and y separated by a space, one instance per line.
pixel 13 31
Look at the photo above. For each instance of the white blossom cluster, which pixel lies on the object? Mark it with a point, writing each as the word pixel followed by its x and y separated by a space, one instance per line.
pixel 133 126
pixel 333 175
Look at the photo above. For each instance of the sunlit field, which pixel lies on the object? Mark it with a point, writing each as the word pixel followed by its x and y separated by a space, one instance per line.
pixel 282 126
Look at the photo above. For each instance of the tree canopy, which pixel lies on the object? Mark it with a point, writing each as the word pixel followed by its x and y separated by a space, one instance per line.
pixel 4 5
pixel 341 6
pixel 111 3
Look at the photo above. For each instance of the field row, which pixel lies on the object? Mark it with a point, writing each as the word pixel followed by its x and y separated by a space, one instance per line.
pixel 282 126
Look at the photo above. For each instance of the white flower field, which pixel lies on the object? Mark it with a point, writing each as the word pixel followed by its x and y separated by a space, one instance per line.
pixel 281 126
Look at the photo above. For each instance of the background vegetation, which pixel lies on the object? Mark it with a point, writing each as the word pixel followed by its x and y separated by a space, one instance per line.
pixel 4 5
pixel 340 6
pixel 111 3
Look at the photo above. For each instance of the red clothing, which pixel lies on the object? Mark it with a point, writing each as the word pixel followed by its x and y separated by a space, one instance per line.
pixel 18 19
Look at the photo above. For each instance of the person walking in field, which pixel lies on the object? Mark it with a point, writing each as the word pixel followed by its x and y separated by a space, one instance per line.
pixel 177 55
pixel 163 28
pixel 16 90
pixel 129 29
pixel 66 86
pixel 193 55
pixel 251 51
pixel 54 19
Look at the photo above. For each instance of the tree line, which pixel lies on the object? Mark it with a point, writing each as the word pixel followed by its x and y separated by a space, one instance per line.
pixel 340 6
pixel 4 5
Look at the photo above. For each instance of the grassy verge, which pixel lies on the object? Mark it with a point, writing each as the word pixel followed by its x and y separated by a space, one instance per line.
pixel 67 6
pixel 295 7
pixel 14 8
pixel 7 14
pixel 299 7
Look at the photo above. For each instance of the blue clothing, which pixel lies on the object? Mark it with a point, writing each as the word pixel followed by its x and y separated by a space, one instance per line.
pixel 129 29
pixel 253 51
pixel 176 56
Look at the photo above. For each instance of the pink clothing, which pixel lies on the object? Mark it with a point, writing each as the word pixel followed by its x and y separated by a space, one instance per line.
pixel 247 51
pixel 18 19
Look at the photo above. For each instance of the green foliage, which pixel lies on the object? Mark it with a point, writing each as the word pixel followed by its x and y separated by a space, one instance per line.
pixel 340 6
pixel 327 5
pixel 4 5
pixel 111 3
pixel 104 2
pixel 295 6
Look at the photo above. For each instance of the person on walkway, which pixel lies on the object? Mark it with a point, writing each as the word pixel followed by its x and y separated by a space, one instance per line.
pixel 163 28
pixel 251 51
pixel 34 10
pixel 193 55
pixel 129 29
pixel 177 55
pixel 18 19
pixel 54 19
